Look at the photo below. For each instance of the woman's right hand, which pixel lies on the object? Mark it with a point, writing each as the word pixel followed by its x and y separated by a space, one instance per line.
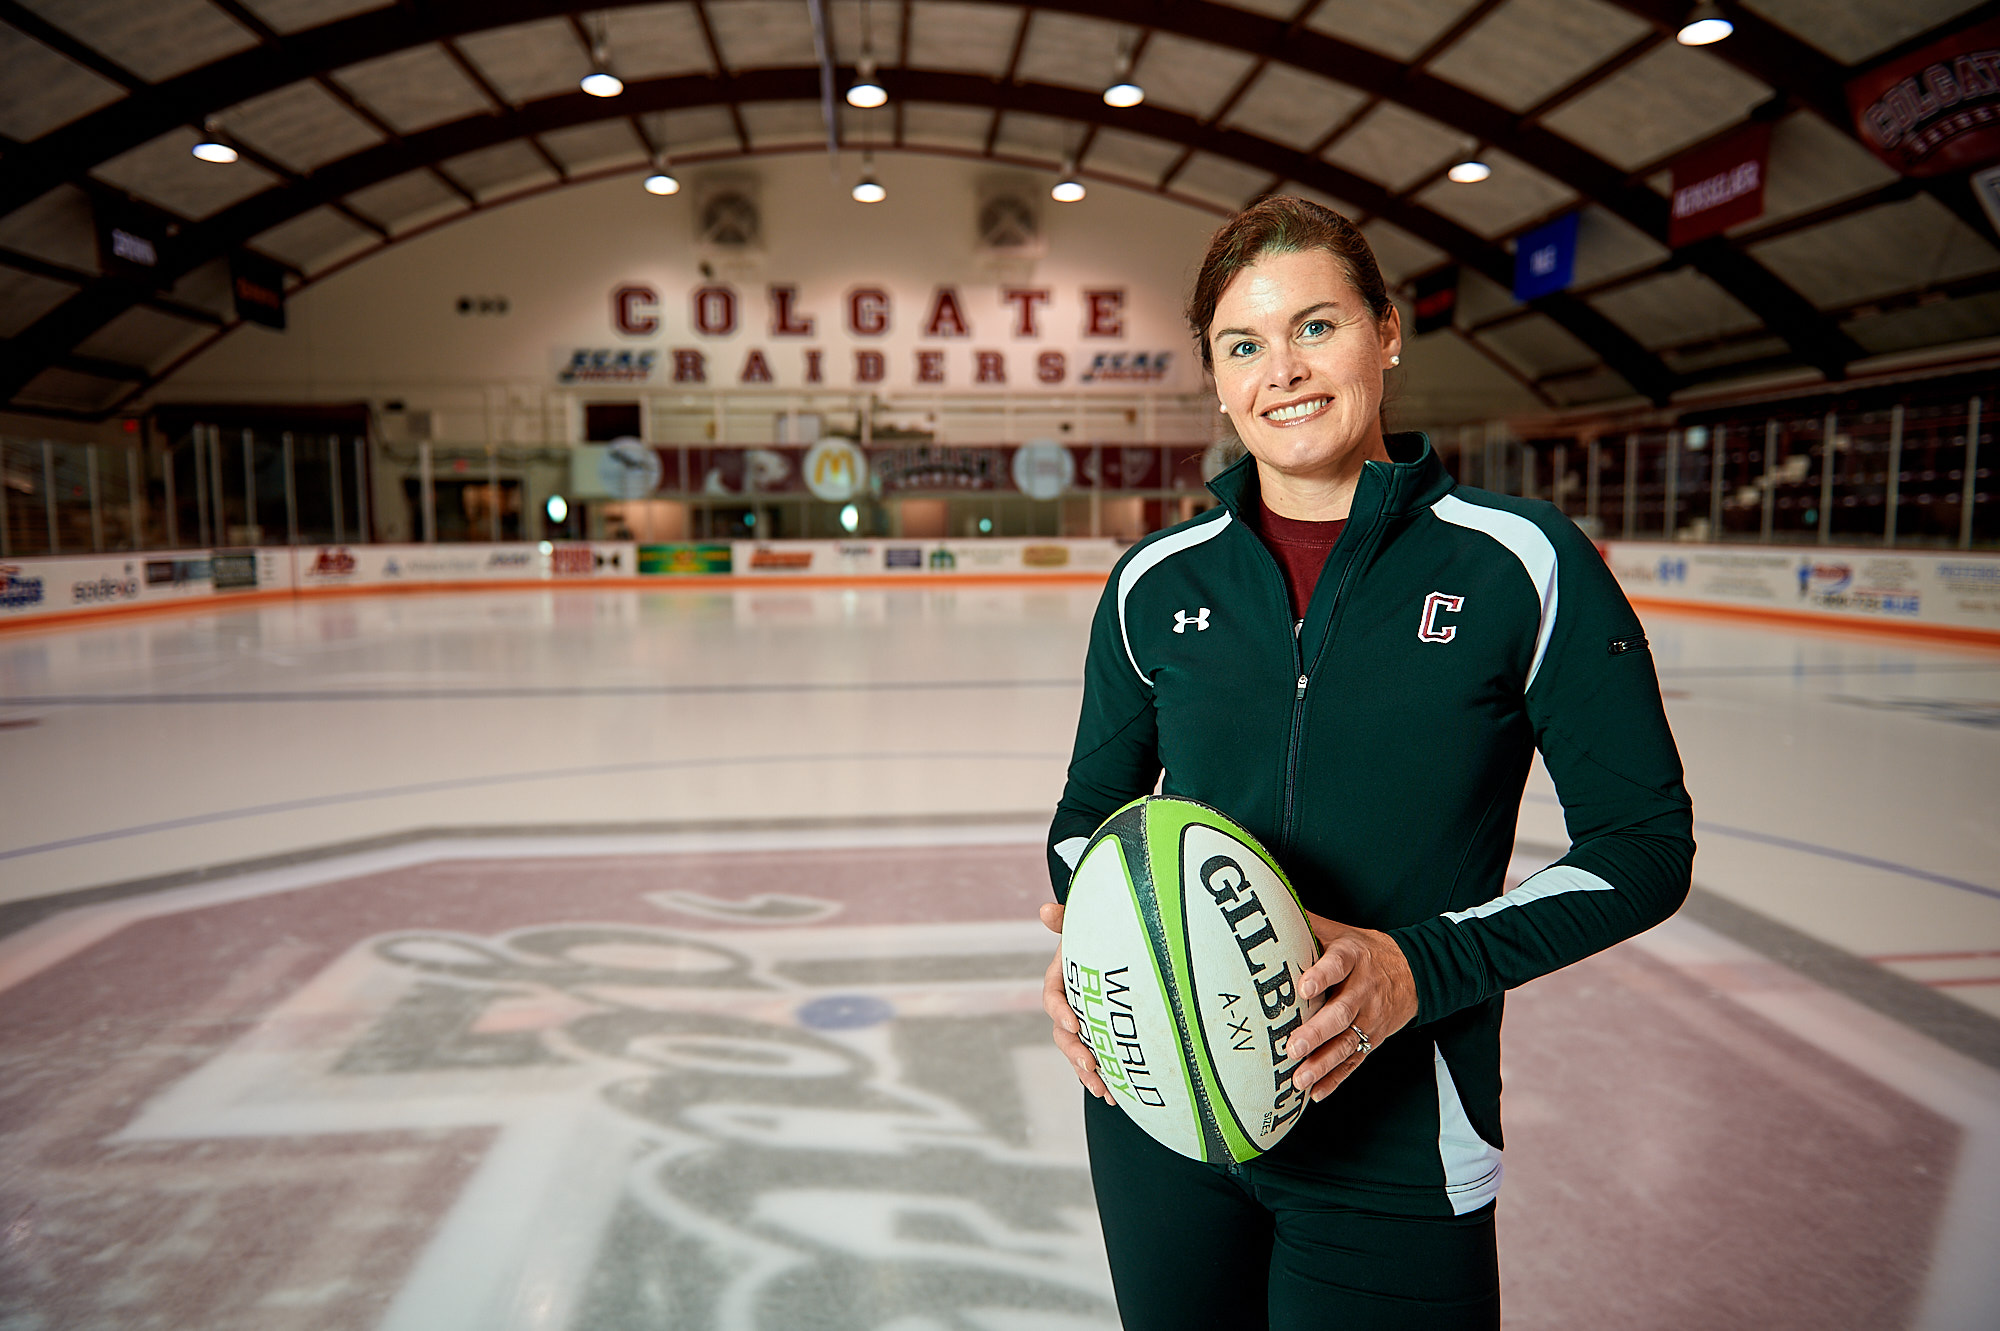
pixel 1055 1002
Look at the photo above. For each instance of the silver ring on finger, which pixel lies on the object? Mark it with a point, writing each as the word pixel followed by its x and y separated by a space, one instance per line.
pixel 1365 1046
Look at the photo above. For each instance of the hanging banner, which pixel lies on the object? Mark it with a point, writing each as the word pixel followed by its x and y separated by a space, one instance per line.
pixel 1437 299
pixel 1937 109
pixel 1720 186
pixel 132 240
pixel 1545 258
pixel 259 288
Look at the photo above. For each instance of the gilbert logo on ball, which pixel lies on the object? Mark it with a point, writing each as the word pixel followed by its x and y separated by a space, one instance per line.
pixel 1182 945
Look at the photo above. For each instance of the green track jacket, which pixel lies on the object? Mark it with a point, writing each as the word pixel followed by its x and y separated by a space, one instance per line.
pixel 1380 754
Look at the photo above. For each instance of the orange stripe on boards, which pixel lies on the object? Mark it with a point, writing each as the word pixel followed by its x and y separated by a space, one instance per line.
pixel 65 619
pixel 1798 619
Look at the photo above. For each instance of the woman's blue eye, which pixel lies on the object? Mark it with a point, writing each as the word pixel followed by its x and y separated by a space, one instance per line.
pixel 1238 349
pixel 1314 327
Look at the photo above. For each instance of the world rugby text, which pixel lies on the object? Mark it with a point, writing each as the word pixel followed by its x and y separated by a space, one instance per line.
pixel 1276 993
pixel 1099 1000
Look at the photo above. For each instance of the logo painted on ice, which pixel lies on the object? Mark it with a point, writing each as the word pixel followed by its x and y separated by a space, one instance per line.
pixel 1428 629
pixel 1199 619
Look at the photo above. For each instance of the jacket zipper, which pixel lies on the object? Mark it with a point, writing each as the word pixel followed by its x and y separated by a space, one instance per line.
pixel 1286 826
pixel 1292 763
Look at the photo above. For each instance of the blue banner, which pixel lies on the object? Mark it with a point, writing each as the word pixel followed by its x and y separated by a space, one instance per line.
pixel 1545 258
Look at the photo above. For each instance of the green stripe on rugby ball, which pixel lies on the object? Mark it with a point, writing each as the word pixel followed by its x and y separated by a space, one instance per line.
pixel 1109 960
pixel 1228 940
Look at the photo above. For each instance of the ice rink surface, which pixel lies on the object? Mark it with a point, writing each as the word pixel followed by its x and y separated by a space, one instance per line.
pixel 608 959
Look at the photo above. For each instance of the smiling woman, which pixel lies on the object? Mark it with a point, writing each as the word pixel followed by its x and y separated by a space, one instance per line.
pixel 1293 320
pixel 1427 612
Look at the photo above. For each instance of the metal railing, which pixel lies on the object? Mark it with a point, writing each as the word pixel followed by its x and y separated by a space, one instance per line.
pixel 1913 473
pixel 1910 474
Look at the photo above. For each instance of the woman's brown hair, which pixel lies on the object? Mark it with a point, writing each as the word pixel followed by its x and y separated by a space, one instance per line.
pixel 1280 224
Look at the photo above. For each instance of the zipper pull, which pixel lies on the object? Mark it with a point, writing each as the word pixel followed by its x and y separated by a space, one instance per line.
pixel 1302 686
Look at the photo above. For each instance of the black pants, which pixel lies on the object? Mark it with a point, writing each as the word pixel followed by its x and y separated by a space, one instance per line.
pixel 1200 1247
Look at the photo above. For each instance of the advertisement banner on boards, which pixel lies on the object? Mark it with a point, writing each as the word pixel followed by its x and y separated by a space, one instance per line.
pixel 462 563
pixel 685 558
pixel 1886 586
pixel 327 566
pixel 234 570
pixel 1935 110
pixel 178 573
pixel 341 565
pixel 58 583
pixel 593 559
pixel 1719 186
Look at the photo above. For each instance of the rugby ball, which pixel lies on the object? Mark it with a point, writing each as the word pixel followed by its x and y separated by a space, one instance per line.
pixel 1182 946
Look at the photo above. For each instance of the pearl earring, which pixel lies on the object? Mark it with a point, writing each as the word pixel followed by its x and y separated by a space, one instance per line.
pixel 1395 360
pixel 1222 407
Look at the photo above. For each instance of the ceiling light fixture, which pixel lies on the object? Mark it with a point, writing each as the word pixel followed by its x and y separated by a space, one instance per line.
pixel 868 189
pixel 1705 26
pixel 1470 172
pixel 600 81
pixel 865 92
pixel 211 147
pixel 662 181
pixel 1068 189
pixel 1124 91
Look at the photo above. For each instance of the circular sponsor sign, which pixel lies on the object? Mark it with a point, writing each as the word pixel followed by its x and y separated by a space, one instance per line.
pixel 836 470
pixel 1043 469
pixel 629 469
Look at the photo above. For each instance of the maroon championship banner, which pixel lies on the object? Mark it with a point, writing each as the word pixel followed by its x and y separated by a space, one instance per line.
pixel 1937 109
pixel 1719 186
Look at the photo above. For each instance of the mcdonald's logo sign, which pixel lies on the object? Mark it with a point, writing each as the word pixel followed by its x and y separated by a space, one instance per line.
pixel 836 470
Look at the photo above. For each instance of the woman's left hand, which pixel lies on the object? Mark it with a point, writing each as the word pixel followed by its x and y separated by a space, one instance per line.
pixel 1367 983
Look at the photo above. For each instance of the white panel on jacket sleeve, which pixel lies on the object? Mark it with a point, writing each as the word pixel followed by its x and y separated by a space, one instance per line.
pixel 1529 545
pixel 1471 1164
pixel 1553 881
pixel 1147 559
pixel 1070 849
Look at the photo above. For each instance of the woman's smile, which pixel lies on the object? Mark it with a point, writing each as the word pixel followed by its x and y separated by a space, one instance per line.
pixel 1295 413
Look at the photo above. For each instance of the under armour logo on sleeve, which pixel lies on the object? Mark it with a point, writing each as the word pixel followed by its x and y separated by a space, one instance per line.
pixel 1199 619
pixel 1428 629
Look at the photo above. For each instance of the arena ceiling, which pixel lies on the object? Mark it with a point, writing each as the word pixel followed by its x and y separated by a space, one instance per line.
pixel 361 124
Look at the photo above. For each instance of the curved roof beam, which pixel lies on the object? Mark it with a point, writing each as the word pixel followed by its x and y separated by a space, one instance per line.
pixel 74 149
pixel 69 324
pixel 1807 75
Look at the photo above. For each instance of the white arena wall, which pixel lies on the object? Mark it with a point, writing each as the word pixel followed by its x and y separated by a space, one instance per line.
pixel 389 328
